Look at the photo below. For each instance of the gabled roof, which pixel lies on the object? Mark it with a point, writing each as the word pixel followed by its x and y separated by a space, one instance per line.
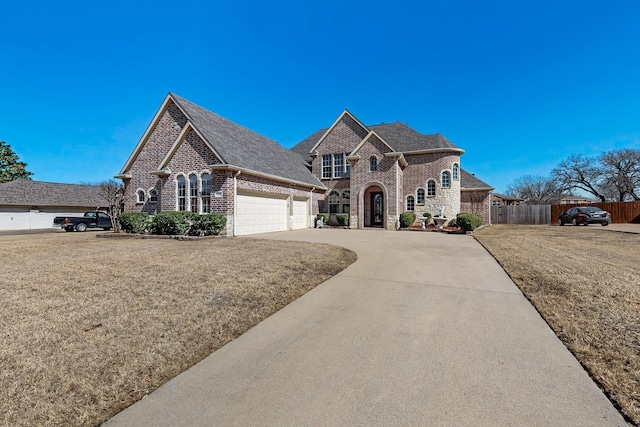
pixel 235 145
pixel 244 148
pixel 469 181
pixel 25 192
pixel 398 135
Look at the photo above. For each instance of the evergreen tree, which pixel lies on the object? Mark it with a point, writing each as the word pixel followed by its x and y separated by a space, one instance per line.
pixel 11 168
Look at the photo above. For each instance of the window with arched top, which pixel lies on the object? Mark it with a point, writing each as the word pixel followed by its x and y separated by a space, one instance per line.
pixel 446 179
pixel 153 196
pixel 456 171
pixel 420 196
pixel 181 189
pixel 373 164
pixel 410 204
pixel 140 196
pixel 205 193
pixel 193 193
pixel 431 188
pixel 346 201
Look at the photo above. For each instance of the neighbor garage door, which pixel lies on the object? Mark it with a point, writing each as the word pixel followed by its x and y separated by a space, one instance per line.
pixel 300 214
pixel 260 213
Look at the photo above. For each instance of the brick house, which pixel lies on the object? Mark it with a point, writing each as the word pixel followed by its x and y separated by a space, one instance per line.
pixel 192 159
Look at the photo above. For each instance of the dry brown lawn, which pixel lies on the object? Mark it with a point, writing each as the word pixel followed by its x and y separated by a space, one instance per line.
pixel 91 325
pixel 585 282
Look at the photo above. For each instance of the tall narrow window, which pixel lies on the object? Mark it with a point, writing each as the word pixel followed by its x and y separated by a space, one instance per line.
pixel 420 196
pixel 347 168
pixel 373 164
pixel 446 179
pixel 334 202
pixel 182 193
pixel 338 165
pixel 346 201
pixel 153 195
pixel 193 193
pixel 410 203
pixel 456 171
pixel 431 188
pixel 205 193
pixel 326 165
pixel 140 196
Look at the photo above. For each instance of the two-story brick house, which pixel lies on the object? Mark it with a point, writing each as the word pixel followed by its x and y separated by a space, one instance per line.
pixel 190 158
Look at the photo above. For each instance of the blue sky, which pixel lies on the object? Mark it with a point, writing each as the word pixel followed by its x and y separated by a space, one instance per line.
pixel 519 85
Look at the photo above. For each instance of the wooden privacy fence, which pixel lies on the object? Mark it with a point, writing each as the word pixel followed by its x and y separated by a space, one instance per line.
pixel 621 213
pixel 521 214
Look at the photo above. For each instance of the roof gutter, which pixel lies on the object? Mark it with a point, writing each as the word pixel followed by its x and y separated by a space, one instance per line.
pixel 437 150
pixel 265 175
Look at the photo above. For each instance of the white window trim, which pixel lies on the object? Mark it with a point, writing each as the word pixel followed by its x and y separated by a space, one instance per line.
pixel 442 181
pixel 406 203
pixel 149 195
pixel 144 194
pixel 186 191
pixel 417 203
pixel 454 176
pixel 435 188
pixel 345 168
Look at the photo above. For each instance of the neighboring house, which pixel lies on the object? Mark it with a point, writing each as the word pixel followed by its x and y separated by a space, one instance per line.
pixel 575 200
pixel 190 159
pixel 504 200
pixel 26 204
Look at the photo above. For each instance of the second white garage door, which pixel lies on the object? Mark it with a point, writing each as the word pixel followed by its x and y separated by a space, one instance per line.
pixel 260 214
pixel 300 214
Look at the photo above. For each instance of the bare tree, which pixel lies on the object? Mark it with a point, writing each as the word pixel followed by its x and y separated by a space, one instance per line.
pixel 113 192
pixel 535 190
pixel 621 174
pixel 580 172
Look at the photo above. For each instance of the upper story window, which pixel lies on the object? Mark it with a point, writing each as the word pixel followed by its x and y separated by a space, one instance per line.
pixel 140 196
pixel 456 171
pixel 420 196
pixel 153 195
pixel 446 179
pixel 410 203
pixel 373 164
pixel 431 188
pixel 182 193
pixel 335 166
pixel 205 193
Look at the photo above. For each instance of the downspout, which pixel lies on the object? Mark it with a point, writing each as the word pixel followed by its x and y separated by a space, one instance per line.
pixel 310 213
pixel 235 201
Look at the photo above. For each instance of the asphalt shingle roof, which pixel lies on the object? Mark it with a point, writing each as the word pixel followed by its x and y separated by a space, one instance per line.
pixel 25 192
pixel 469 181
pixel 239 146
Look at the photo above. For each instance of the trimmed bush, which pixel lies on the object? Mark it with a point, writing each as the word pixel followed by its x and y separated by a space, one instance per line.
pixel 325 218
pixel 172 223
pixel 134 222
pixel 343 219
pixel 208 224
pixel 427 215
pixel 406 219
pixel 468 222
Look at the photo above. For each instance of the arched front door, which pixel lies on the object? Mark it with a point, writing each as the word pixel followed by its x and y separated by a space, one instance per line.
pixel 377 209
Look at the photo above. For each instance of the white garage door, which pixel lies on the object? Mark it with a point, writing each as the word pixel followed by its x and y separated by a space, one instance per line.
pixel 260 214
pixel 300 214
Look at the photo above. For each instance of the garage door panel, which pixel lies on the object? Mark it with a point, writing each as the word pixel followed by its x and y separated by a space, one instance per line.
pixel 260 214
pixel 300 214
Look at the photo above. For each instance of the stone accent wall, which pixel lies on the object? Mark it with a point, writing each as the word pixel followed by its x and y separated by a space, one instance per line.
pixel 423 167
pixel 476 202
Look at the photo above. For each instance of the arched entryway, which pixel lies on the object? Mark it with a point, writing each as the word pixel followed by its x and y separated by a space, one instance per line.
pixel 374 207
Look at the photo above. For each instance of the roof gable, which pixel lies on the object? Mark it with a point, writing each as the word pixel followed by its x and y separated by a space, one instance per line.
pixel 350 120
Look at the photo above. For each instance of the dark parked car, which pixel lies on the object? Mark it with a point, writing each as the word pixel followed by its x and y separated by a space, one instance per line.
pixel 585 215
pixel 81 223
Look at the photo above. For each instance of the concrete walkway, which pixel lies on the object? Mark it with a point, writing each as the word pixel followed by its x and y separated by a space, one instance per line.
pixel 424 329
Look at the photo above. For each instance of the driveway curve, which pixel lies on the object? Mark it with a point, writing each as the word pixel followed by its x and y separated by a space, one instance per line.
pixel 423 329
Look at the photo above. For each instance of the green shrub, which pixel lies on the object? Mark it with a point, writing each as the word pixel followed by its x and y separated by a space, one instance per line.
pixel 134 222
pixel 468 222
pixel 427 215
pixel 172 223
pixel 324 216
pixel 207 224
pixel 343 219
pixel 406 219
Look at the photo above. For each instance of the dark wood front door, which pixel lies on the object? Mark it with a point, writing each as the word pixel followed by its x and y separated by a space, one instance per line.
pixel 377 209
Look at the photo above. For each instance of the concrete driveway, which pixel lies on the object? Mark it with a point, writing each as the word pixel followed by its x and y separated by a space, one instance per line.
pixel 424 329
